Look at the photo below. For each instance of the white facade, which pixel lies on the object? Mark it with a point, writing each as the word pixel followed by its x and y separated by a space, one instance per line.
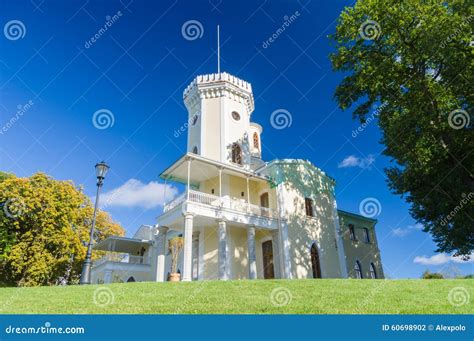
pixel 241 217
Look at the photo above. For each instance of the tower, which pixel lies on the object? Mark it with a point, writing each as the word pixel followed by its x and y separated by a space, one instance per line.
pixel 219 108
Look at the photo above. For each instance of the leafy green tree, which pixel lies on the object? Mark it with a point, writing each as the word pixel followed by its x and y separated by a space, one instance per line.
pixel 413 60
pixel 43 223
pixel 431 275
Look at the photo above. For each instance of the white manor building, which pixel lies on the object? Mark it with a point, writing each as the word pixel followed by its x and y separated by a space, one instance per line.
pixel 241 217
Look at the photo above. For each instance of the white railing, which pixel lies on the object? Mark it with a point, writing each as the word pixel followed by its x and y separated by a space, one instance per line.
pixel 122 258
pixel 175 202
pixel 204 198
pixel 239 205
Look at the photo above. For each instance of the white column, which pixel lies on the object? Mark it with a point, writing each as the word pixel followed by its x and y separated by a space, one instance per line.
pixel 107 276
pixel 160 253
pixel 189 175
pixel 195 255
pixel 248 195
pixel 188 247
pixel 222 250
pixel 164 195
pixel 220 186
pixel 283 226
pixel 252 259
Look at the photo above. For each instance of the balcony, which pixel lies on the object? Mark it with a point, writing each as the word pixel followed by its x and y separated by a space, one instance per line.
pixel 225 202
pixel 122 258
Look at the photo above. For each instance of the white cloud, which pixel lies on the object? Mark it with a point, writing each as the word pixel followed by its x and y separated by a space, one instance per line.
pixel 135 193
pixel 354 161
pixel 441 259
pixel 402 232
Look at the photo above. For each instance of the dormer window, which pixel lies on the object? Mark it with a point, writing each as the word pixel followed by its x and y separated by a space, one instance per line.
pixel 255 141
pixel 236 115
pixel 236 153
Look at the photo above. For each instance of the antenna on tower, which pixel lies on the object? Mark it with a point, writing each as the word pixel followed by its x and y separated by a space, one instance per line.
pixel 218 51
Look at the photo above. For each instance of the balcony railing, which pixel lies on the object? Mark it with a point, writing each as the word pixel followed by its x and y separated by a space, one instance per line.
pixel 239 205
pixel 122 258
pixel 175 202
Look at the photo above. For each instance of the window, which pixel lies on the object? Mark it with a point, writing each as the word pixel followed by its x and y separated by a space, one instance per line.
pixel 308 203
pixel 366 235
pixel 236 154
pixel 236 115
pixel 373 273
pixel 315 265
pixel 194 119
pixel 195 150
pixel 255 141
pixel 352 232
pixel 358 270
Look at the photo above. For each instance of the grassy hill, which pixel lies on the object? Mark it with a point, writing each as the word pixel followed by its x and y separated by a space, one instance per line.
pixel 326 296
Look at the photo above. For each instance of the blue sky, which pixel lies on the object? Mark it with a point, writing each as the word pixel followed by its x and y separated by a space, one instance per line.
pixel 137 70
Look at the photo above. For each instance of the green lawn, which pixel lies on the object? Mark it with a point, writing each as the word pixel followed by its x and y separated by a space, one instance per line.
pixel 327 296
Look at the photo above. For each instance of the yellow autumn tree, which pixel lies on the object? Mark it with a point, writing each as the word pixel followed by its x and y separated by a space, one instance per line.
pixel 43 226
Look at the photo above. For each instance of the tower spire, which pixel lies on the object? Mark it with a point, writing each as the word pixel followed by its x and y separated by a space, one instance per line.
pixel 218 51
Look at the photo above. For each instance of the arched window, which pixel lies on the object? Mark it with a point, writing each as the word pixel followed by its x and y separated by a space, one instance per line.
pixel 373 273
pixel 236 153
pixel 195 150
pixel 194 119
pixel 255 141
pixel 366 235
pixel 352 232
pixel 358 270
pixel 316 266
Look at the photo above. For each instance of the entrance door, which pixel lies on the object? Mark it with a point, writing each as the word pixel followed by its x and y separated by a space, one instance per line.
pixel 268 271
pixel 315 262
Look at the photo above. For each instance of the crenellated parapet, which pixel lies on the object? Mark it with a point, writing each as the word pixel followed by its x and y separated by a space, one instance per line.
pixel 217 85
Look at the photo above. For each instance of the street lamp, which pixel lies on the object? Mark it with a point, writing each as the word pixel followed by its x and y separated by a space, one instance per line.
pixel 100 169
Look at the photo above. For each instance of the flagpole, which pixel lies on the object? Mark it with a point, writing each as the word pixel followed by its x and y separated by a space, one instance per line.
pixel 218 51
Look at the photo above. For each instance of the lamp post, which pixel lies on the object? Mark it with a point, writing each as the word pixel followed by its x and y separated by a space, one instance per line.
pixel 101 169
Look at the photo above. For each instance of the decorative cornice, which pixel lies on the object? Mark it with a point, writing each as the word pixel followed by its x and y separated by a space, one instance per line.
pixel 217 85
